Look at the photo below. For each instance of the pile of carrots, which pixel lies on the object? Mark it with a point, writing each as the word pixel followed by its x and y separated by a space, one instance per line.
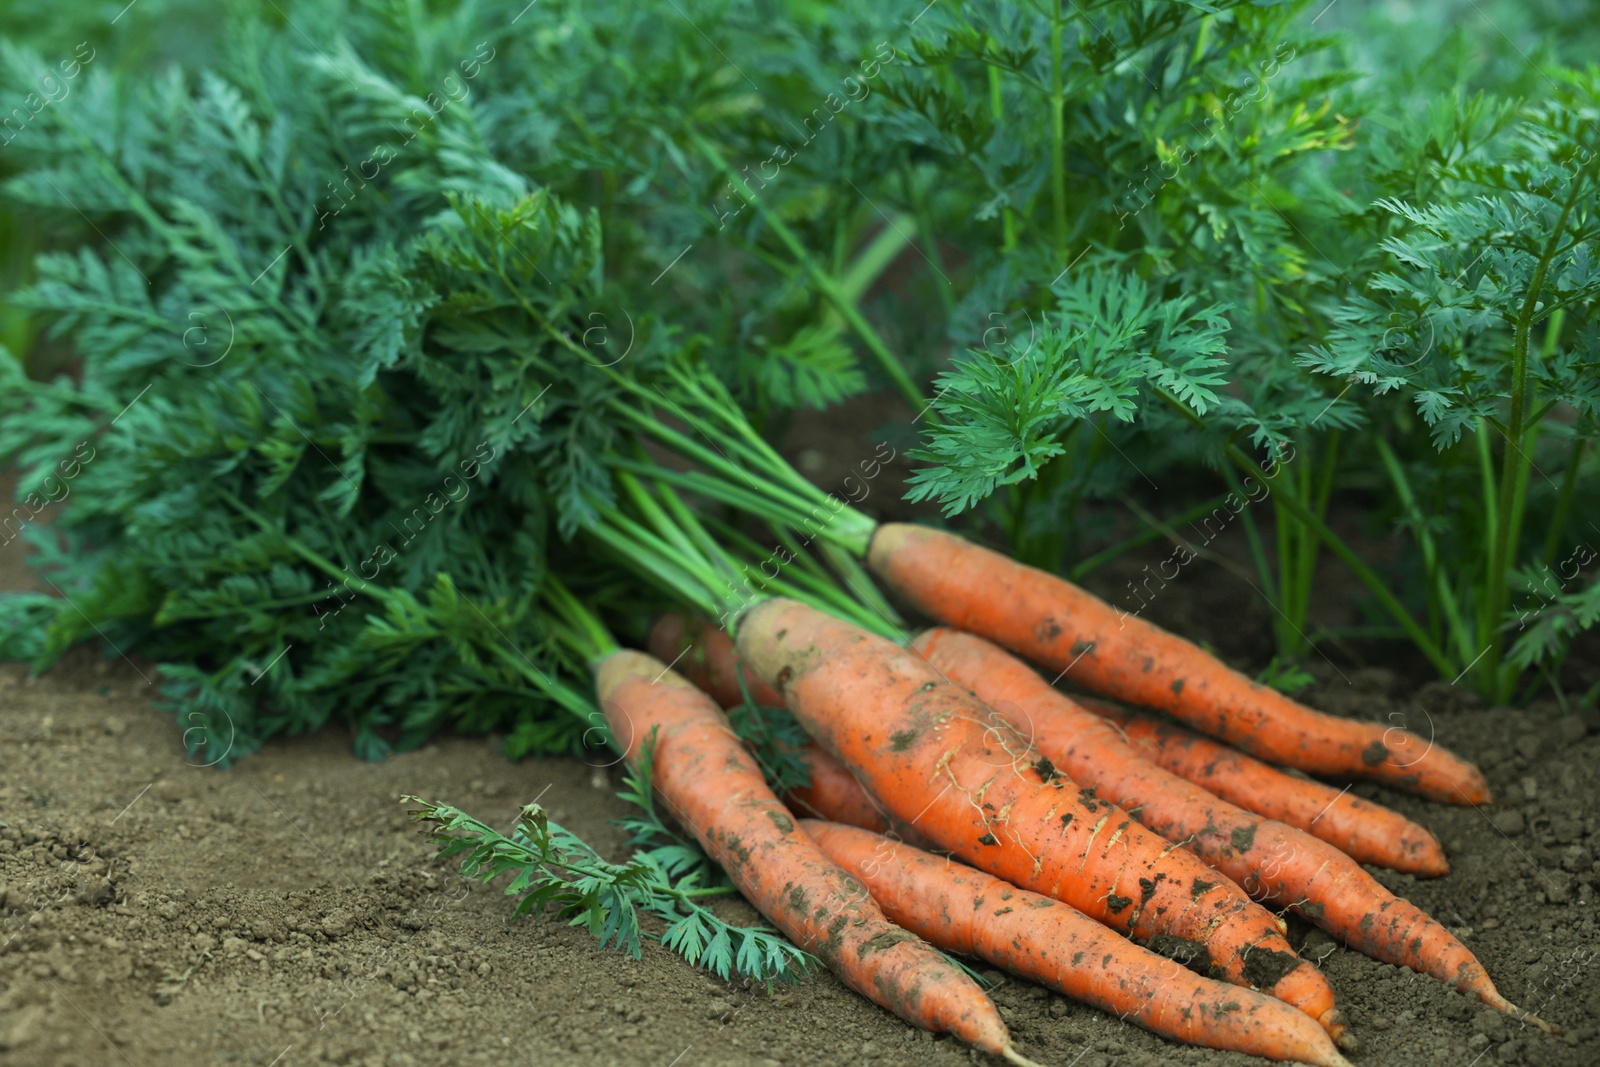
pixel 960 801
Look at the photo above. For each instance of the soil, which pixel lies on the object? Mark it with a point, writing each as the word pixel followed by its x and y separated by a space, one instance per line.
pixel 287 912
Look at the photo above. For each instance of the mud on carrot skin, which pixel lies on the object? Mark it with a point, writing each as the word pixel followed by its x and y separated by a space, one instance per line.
pixel 714 788
pixel 958 774
pixel 1053 623
pixel 963 910
pixel 1364 830
pixel 704 654
pixel 1273 862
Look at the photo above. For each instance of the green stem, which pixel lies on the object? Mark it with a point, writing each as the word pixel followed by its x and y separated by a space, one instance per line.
pixel 1252 533
pixel 825 283
pixel 1287 571
pixel 588 636
pixel 875 258
pixel 1569 483
pixel 1058 132
pixel 1151 532
pixel 1433 575
pixel 1335 544
pixel 304 551
pixel 1008 217
pixel 1516 460
pixel 692 590
pixel 860 584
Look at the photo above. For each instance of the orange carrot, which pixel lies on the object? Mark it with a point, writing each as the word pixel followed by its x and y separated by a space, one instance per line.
pixel 704 654
pixel 1273 862
pixel 965 779
pixel 1362 829
pixel 965 911
pixel 1057 625
pixel 834 794
pixel 715 790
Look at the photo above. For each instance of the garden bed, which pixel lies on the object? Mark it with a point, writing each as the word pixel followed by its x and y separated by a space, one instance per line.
pixel 288 907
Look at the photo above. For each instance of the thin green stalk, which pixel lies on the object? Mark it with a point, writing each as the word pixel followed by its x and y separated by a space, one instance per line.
pixel 1150 533
pixel 717 489
pixel 826 284
pixel 568 697
pixel 1252 533
pixel 1008 217
pixel 666 572
pixel 1287 572
pixel 1491 507
pixel 1569 483
pixel 1433 575
pixel 589 636
pixel 1516 460
pixel 1336 545
pixel 875 258
pixel 1058 132
pixel 670 532
pixel 1320 491
pixel 860 584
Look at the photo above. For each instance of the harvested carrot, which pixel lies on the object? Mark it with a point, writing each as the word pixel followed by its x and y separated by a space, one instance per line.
pixel 834 794
pixel 715 789
pixel 964 778
pixel 1273 862
pixel 1057 625
pixel 1364 830
pixel 963 910
pixel 704 654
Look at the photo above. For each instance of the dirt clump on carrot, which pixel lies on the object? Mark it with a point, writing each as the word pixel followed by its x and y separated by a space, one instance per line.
pixel 705 655
pixel 960 775
pixel 1275 863
pixel 714 789
pixel 1043 940
pixel 1055 624
pixel 1364 830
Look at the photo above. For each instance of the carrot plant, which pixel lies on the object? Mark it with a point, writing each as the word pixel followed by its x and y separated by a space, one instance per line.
pixel 1479 318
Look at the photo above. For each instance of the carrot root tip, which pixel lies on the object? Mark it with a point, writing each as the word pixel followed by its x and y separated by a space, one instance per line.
pixel 1499 1003
pixel 1333 1021
pixel 1533 1020
pixel 1010 1052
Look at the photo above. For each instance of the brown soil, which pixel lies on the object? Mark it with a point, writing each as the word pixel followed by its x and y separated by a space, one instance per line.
pixel 286 911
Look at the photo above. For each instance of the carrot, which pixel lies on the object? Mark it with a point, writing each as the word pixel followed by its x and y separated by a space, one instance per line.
pixel 703 652
pixel 1057 625
pixel 966 780
pixel 705 655
pixel 1273 862
pixel 1363 830
pixel 965 911
pixel 714 788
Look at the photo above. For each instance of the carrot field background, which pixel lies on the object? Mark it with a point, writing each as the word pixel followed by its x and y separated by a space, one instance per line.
pixel 354 354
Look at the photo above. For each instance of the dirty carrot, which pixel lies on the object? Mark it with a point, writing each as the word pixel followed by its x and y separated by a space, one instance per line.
pixel 713 787
pixel 964 778
pixel 965 911
pixel 1055 624
pixel 1273 862
pixel 704 654
pixel 1362 829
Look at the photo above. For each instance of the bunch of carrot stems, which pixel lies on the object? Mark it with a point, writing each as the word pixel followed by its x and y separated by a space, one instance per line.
pixel 957 799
